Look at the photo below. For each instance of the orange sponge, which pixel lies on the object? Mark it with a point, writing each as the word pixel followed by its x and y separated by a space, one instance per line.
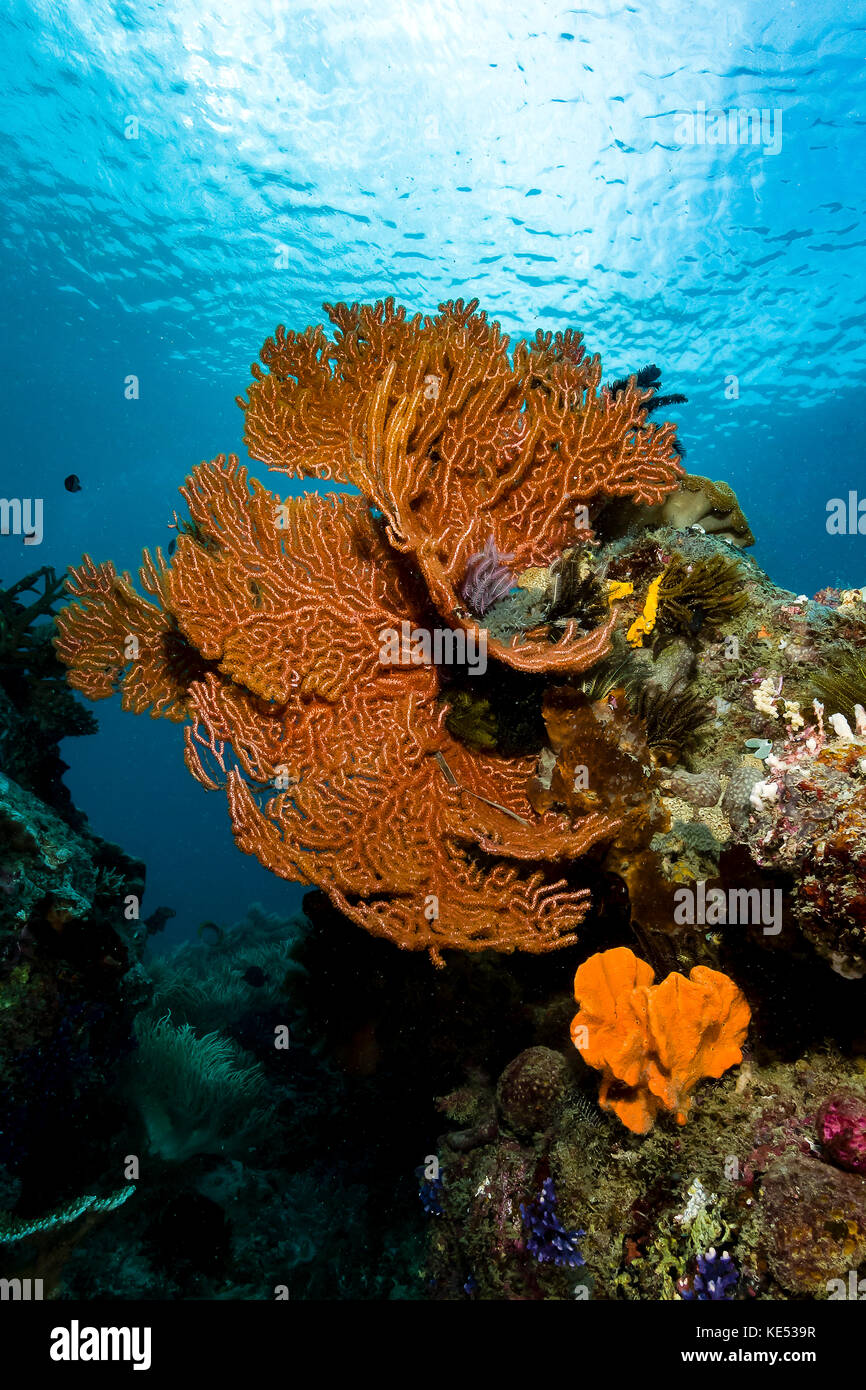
pixel 653 1043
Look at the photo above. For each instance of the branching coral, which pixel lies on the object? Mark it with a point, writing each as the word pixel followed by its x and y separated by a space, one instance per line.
pixel 19 638
pixel 42 1245
pixel 270 631
pixel 14 1228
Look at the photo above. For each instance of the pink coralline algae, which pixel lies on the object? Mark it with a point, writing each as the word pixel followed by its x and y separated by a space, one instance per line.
pixel 814 823
pixel 842 1130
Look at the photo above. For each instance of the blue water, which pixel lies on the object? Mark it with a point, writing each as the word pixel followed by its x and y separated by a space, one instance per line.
pixel 286 154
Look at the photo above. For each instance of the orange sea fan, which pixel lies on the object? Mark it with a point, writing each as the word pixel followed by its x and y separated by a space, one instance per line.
pixel 339 770
pixel 113 640
pixel 456 442
pixel 407 849
pixel 265 632
pixel 305 586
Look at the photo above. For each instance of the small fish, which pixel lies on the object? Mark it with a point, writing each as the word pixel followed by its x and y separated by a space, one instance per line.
pixel 72 483
pixel 172 544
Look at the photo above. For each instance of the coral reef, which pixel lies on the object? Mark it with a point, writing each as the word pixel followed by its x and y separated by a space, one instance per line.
pixel 521 693
pixel 809 818
pixel 69 970
pixel 737 1205
pixel 71 981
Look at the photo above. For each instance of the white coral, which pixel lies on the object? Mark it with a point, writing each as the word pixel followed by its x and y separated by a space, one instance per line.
pixel 841 728
pixel 763 795
pixel 764 698
pixel 793 715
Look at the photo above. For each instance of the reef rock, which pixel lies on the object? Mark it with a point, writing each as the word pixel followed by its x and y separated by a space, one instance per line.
pixel 816 1218
pixel 531 1090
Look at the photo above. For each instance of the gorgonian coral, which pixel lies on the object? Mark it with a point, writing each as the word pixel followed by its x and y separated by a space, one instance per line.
pixel 267 631
pixel 453 440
